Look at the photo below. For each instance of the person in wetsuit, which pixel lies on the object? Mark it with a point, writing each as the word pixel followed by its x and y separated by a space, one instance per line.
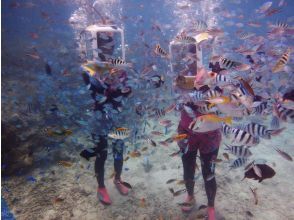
pixel 111 94
pixel 101 151
pixel 204 145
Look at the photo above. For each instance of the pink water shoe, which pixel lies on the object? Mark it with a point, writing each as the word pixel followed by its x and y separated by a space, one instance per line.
pixel 103 196
pixel 121 187
pixel 211 213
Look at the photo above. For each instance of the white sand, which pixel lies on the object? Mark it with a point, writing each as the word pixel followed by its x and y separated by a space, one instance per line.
pixel 34 200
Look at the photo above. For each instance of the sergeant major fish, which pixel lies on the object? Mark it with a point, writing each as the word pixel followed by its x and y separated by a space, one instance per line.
pixel 242 137
pixel 119 134
pixel 161 52
pixel 239 151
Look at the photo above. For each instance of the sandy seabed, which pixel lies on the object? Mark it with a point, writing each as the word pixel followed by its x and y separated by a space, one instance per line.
pixel 76 187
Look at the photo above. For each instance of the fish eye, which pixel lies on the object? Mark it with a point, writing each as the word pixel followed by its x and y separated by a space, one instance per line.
pixel 211 74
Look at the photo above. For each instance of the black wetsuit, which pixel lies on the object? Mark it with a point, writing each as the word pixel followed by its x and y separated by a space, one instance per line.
pixel 100 88
pixel 206 159
pixel 207 166
pixel 101 156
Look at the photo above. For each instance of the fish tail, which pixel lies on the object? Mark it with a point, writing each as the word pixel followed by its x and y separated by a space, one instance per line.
pixel 276 132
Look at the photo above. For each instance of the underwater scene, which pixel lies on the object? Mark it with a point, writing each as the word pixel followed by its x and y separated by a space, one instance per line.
pixel 147 109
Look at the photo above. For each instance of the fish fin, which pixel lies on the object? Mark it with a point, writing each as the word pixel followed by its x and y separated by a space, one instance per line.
pixel 227 147
pixel 192 124
pixel 228 120
pixel 276 132
pixel 255 104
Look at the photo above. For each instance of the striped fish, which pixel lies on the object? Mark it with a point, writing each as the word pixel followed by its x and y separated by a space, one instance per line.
pixel 284 113
pixel 258 130
pixel 280 24
pixel 242 137
pixel 120 134
pixel 158 113
pixel 200 25
pixel 196 96
pixel 205 109
pixel 119 63
pixel 239 162
pixel 160 51
pixel 185 39
pixel 239 151
pixel 228 63
pixel 226 129
pixel 258 110
pixel 222 79
pixel 212 93
pixel 282 61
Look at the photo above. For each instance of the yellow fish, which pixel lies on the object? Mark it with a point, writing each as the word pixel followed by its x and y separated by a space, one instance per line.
pixel 282 61
pixel 214 118
pixel 201 37
pixel 218 100
pixel 92 68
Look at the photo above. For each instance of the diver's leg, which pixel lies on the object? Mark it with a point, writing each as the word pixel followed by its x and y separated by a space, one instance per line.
pixel 118 161
pixel 118 165
pixel 208 172
pixel 99 171
pixel 99 166
pixel 189 161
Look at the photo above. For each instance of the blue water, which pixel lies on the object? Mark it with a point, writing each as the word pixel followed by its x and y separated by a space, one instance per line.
pixel 40 32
